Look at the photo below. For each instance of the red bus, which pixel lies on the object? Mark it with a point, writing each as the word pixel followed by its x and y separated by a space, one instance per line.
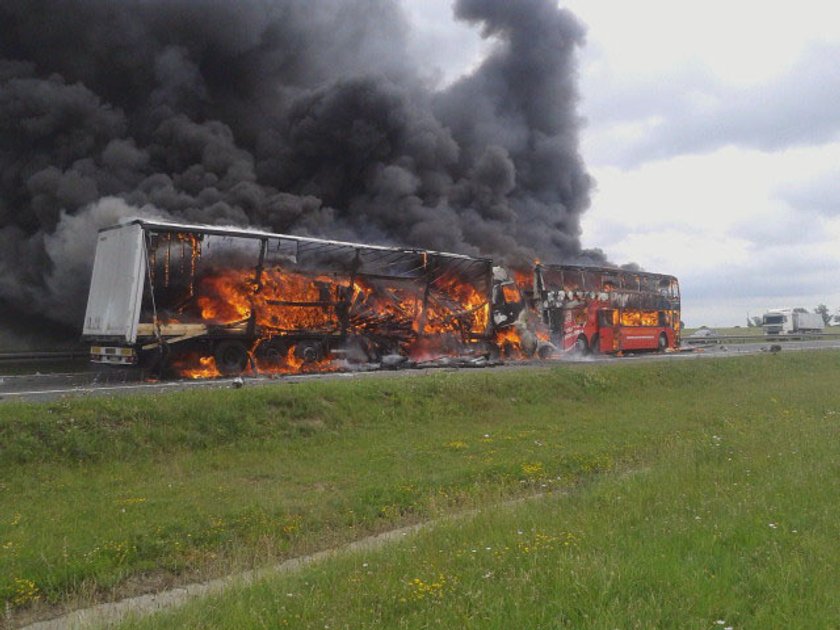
pixel 599 309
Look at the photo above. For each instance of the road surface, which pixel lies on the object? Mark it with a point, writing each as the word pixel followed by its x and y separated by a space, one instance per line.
pixel 30 385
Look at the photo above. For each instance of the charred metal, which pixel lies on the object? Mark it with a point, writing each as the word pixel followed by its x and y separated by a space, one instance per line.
pixel 202 301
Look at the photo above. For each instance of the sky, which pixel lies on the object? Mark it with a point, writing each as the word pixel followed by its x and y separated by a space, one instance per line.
pixel 712 131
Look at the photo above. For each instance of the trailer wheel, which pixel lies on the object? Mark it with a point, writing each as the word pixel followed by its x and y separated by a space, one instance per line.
pixel 154 361
pixel 309 351
pixel 272 353
pixel 231 357
pixel 663 342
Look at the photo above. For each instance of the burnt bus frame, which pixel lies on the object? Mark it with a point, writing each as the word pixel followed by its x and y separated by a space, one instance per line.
pixel 621 296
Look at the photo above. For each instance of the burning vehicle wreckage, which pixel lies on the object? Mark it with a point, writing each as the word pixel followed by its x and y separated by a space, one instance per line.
pixel 200 301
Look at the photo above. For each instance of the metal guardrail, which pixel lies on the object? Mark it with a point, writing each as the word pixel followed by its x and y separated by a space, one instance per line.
pixel 719 339
pixel 10 357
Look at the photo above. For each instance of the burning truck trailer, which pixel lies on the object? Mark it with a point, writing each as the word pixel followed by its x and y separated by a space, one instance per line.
pixel 606 310
pixel 192 300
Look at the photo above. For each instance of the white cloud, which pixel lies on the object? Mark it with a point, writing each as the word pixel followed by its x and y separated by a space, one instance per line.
pixel 740 42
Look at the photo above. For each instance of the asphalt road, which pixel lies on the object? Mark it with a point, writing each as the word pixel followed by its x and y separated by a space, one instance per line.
pixel 38 383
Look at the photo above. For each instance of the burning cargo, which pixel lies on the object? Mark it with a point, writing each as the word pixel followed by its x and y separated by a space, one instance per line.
pixel 208 301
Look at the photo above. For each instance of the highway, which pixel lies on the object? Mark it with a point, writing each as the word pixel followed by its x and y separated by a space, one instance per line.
pixel 47 379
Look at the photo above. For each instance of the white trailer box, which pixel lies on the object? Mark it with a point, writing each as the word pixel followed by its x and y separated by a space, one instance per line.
pixel 807 322
pixel 116 288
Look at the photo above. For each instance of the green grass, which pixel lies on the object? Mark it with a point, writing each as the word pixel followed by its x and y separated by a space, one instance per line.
pixel 736 524
pixel 96 495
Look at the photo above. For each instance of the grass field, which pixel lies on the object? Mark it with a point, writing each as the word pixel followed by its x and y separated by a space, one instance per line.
pixel 692 493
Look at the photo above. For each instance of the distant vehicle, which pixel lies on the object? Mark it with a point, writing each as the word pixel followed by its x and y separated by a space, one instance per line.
pixel 597 309
pixel 704 332
pixel 791 321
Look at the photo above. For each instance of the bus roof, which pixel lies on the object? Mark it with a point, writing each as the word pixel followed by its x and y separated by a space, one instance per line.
pixel 611 270
pixel 238 232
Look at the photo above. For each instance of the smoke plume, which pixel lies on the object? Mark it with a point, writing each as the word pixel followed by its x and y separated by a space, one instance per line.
pixel 295 116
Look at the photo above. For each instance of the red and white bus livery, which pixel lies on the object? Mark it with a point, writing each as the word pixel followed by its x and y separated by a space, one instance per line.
pixel 599 309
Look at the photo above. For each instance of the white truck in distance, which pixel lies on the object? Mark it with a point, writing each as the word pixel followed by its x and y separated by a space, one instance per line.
pixel 791 321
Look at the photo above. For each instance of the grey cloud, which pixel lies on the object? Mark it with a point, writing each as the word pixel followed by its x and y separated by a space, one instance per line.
pixel 820 195
pixel 697 114
pixel 778 229
pixel 772 275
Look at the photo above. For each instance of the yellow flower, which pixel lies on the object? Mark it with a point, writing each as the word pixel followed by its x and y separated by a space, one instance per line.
pixel 533 470
pixel 25 591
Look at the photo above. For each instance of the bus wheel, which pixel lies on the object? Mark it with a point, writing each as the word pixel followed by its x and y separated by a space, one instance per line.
pixel 663 342
pixel 595 344
pixel 231 357
pixel 580 346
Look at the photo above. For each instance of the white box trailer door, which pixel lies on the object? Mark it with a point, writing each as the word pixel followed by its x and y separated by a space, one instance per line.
pixel 116 285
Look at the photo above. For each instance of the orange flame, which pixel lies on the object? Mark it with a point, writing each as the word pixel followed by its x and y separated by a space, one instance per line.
pixel 206 369
pixel 510 343
pixel 421 320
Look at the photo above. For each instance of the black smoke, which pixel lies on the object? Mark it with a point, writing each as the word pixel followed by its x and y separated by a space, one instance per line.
pixel 292 115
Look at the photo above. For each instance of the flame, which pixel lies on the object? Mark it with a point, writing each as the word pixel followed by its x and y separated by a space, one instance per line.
pixel 636 317
pixel 291 363
pixel 511 293
pixel 206 368
pixel 416 321
pixel 510 343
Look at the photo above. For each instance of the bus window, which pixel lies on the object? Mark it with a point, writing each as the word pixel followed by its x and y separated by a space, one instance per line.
pixel 649 318
pixel 630 282
pixel 631 318
pixel 511 293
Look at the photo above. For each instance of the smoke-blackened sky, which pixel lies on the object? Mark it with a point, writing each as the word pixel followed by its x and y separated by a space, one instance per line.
pixel 292 115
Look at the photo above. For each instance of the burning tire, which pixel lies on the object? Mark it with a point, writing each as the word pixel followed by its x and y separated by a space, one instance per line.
pixel 272 353
pixel 231 357
pixel 309 351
